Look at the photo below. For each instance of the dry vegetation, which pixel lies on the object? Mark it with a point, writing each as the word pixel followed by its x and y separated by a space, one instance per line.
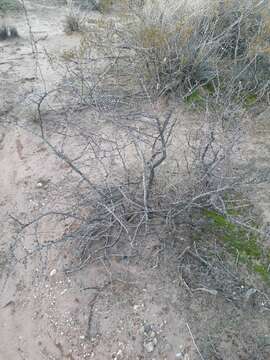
pixel 216 60
pixel 137 65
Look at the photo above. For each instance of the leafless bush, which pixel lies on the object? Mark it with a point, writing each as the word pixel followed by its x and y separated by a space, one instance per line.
pixel 121 70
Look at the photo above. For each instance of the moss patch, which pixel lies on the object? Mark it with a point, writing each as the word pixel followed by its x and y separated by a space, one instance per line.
pixel 199 96
pixel 195 98
pixel 250 100
pixel 243 244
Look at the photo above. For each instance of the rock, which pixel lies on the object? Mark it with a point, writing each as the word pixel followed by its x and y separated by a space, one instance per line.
pixel 42 184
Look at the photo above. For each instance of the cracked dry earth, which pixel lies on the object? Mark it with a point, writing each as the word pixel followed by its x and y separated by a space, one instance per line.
pixel 131 308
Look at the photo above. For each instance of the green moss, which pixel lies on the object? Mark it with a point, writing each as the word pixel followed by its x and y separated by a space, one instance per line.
pixel 250 100
pixel 198 96
pixel 210 88
pixel 195 98
pixel 262 270
pixel 240 242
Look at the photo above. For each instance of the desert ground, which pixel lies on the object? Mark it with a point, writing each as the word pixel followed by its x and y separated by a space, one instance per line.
pixel 149 299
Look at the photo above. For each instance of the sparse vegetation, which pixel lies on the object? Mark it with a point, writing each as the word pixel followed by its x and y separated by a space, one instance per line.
pixel 149 120
pixel 167 52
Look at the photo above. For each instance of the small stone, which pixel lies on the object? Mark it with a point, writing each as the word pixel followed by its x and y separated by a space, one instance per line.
pixel 53 272
pixel 179 356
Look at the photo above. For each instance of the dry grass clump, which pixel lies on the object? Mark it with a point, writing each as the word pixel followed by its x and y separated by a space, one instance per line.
pixel 227 43
pixel 105 6
pixel 8 32
pixel 162 49
pixel 243 32
pixel 172 56
pixel 72 24
pixel 73 20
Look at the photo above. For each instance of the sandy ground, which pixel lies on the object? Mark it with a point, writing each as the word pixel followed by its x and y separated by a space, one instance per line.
pixel 129 308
